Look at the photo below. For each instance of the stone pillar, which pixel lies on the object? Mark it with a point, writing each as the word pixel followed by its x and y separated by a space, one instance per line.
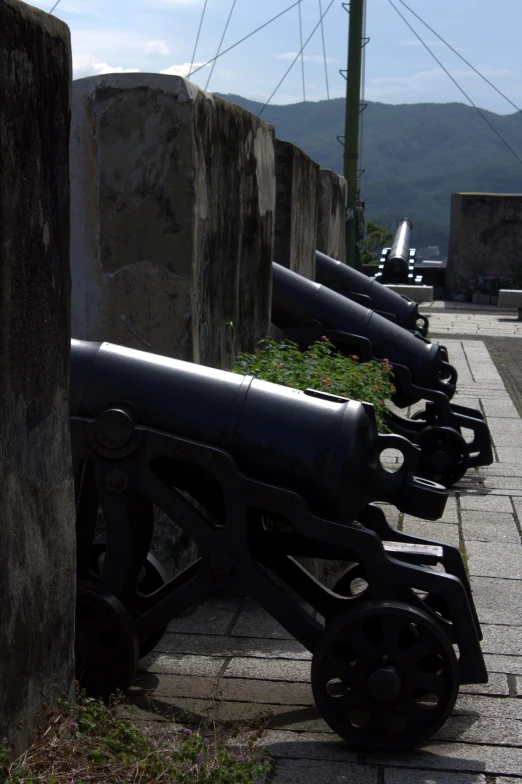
pixel 172 218
pixel 485 237
pixel 37 528
pixel 331 221
pixel 297 187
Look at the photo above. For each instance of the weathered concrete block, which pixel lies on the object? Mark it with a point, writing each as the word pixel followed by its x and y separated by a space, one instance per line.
pixel 485 237
pixel 331 214
pixel 297 188
pixel 37 530
pixel 172 218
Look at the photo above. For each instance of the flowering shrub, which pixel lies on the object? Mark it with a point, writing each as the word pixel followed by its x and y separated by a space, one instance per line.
pixel 322 367
pixel 491 284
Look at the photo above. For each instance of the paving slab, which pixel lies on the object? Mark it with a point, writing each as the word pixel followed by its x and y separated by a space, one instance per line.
pixel 509 664
pixel 207 645
pixel 313 772
pixel 447 533
pixel 480 501
pixel 472 758
pixel 398 776
pixel 495 559
pixel 268 669
pixel 490 528
pixel 506 640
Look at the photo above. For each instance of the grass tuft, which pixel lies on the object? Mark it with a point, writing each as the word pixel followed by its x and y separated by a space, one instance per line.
pixel 88 743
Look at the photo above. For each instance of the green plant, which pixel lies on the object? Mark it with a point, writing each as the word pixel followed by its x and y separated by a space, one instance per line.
pixel 377 238
pixel 324 368
pixel 89 744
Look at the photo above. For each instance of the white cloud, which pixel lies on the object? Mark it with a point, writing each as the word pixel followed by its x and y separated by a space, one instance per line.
pixel 87 65
pixel 157 47
pixel 182 69
pixel 311 58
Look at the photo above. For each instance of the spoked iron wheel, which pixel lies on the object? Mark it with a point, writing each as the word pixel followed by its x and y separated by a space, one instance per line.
pixel 153 577
pixel 384 676
pixel 444 455
pixel 106 643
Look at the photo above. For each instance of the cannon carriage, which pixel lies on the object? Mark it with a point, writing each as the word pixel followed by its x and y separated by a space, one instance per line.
pixel 306 311
pixel 221 454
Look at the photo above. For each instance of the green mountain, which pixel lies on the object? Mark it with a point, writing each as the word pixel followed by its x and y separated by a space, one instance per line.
pixel 414 155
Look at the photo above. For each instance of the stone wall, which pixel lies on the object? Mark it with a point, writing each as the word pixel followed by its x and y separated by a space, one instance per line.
pixel 331 214
pixel 172 219
pixel 37 539
pixel 485 237
pixel 297 190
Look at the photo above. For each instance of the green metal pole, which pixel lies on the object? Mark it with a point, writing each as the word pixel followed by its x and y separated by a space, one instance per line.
pixel 351 128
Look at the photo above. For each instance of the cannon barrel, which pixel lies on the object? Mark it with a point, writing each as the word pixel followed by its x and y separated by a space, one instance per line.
pixel 296 300
pixel 400 249
pixel 321 446
pixel 344 279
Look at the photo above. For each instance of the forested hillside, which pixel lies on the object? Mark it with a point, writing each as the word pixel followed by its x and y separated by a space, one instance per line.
pixel 415 155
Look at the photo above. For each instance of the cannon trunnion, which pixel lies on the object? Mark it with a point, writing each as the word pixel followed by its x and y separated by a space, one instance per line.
pixel 222 456
pixel 306 310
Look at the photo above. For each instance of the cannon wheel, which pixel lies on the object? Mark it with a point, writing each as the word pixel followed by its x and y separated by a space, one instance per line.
pixel 152 579
pixel 384 676
pixel 444 455
pixel 106 648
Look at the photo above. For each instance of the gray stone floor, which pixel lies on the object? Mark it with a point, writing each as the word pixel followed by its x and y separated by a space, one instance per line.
pixel 461 318
pixel 229 661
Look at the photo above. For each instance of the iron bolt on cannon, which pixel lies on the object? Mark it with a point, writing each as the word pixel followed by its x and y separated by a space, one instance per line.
pixel 219 454
pixel 370 293
pixel 307 310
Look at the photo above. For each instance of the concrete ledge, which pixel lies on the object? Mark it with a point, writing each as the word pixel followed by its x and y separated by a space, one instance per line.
pixel 510 298
pixel 415 293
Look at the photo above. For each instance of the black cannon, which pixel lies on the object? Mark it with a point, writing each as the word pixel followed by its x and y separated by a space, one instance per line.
pixel 398 265
pixel 370 293
pixel 257 474
pixel 306 311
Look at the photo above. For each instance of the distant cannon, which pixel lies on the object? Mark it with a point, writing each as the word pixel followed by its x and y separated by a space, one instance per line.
pixel 306 311
pixel 220 454
pixel 370 293
pixel 398 262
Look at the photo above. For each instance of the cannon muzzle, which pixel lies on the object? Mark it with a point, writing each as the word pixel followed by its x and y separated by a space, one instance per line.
pixel 324 447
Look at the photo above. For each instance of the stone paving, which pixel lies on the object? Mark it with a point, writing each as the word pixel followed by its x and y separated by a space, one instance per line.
pixel 228 661
pixel 461 318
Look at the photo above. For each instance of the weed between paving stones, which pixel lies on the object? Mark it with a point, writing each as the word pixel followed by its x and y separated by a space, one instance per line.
pixel 88 744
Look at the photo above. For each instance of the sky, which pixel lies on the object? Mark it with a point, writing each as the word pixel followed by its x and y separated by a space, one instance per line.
pixel 111 36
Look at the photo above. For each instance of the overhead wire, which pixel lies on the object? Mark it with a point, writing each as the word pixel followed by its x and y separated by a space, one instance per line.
pixel 303 76
pixel 332 141
pixel 54 6
pixel 519 159
pixel 197 37
pixel 295 58
pixel 455 51
pixel 273 19
pixel 221 42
